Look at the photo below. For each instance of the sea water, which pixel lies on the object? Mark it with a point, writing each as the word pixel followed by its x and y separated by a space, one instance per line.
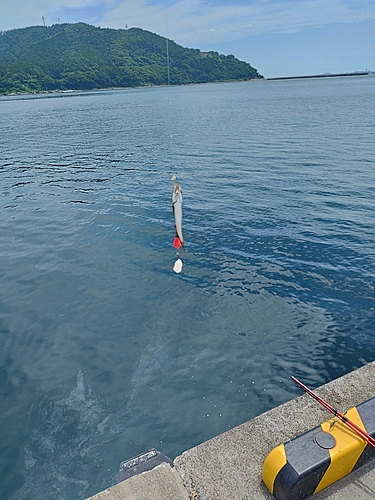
pixel 105 352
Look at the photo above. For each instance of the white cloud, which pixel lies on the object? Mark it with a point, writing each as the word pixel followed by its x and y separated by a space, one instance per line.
pixel 22 13
pixel 191 22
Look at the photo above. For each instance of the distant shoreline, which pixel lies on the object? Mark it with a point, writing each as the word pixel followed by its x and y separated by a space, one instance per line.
pixel 326 75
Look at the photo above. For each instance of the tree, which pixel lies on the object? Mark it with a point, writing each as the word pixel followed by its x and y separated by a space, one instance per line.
pixel 80 56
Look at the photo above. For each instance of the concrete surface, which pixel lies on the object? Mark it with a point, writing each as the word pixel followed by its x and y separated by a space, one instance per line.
pixel 359 485
pixel 163 482
pixel 229 466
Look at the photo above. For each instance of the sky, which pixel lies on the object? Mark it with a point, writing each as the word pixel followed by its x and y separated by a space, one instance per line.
pixel 277 37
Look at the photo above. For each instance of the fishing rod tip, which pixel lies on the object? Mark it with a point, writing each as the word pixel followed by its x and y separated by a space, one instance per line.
pixel 296 380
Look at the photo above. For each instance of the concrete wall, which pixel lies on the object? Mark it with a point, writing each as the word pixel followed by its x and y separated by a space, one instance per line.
pixel 229 466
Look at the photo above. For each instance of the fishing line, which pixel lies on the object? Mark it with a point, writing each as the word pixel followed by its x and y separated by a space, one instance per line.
pixel 176 193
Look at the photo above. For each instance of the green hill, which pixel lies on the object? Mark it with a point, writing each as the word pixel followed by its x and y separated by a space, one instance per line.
pixel 83 57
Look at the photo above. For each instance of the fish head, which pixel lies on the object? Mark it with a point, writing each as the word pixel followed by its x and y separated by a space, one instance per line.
pixel 177 192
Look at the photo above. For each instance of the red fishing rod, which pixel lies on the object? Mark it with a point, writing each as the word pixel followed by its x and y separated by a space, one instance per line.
pixel 354 427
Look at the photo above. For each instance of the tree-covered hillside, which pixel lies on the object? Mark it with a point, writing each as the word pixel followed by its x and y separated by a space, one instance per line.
pixel 80 56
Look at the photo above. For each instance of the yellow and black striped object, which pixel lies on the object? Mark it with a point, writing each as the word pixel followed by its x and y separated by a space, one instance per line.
pixel 309 463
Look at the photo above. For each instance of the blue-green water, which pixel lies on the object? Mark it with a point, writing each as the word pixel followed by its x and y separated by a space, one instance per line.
pixel 104 351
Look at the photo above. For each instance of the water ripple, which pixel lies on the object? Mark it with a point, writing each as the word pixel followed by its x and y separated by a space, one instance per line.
pixel 104 351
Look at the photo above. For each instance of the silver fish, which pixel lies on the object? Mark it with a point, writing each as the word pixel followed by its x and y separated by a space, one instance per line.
pixel 177 210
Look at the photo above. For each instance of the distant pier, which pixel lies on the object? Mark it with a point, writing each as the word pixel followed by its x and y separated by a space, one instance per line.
pixel 325 75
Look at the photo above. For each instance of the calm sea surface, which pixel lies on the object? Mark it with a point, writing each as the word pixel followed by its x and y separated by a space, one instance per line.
pixel 105 352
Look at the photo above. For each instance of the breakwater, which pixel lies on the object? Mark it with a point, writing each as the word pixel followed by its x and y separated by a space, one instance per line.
pixel 325 75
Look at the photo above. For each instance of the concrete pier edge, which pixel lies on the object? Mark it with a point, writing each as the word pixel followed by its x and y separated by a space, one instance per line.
pixel 229 466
